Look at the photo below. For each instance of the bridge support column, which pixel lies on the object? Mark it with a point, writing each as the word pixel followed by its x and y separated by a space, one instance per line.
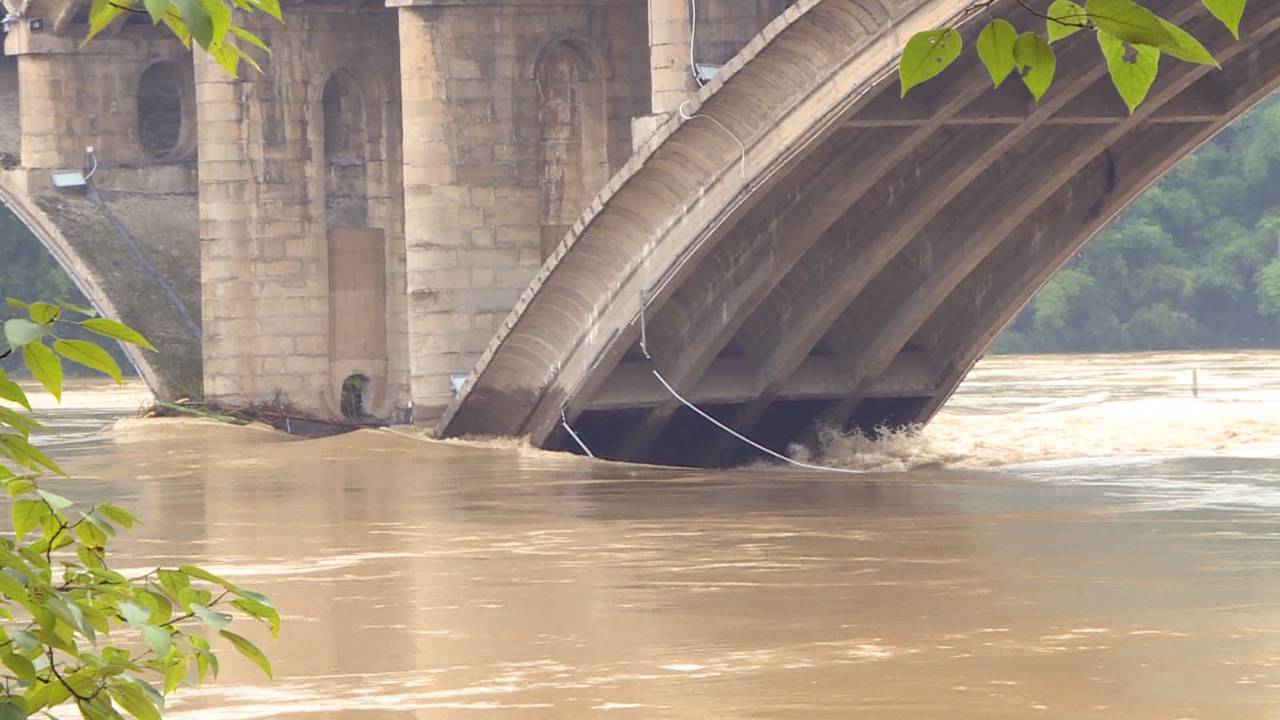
pixel 670 43
pixel 301 250
pixel 670 73
pixel 514 117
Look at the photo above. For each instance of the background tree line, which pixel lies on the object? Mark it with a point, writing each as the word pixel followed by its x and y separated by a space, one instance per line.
pixel 27 272
pixel 1194 263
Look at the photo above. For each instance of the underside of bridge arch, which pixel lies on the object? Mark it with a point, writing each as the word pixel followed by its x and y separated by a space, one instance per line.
pixel 855 263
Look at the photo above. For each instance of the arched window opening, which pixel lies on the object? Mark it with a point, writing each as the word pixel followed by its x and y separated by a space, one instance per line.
pixel 573 142
pixel 354 389
pixel 160 110
pixel 345 153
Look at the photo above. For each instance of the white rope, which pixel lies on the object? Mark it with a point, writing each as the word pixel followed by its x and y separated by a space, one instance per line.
pixel 684 114
pixel 693 39
pixel 564 421
pixel 744 438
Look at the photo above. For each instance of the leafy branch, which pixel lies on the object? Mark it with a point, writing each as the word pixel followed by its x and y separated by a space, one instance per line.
pixel 1131 39
pixel 59 599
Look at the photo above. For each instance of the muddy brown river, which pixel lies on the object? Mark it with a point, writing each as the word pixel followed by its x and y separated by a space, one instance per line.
pixel 1076 537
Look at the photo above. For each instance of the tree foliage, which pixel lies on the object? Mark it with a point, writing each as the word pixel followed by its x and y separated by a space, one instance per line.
pixel 210 23
pixel 28 270
pixel 1195 262
pixel 1131 37
pixel 72 630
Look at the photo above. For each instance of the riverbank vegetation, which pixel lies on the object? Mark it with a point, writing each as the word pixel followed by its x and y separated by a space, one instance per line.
pixel 1194 263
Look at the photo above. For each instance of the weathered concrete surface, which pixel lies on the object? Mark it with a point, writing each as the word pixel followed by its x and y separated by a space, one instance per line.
pixel 862 239
pixel 130 243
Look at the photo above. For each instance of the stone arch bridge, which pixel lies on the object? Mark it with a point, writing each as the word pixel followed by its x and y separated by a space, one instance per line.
pixel 538 195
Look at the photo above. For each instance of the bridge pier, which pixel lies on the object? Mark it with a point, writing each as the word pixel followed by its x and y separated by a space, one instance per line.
pixel 302 252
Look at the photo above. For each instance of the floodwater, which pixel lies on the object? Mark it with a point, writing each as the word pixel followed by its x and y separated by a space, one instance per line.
pixel 1076 537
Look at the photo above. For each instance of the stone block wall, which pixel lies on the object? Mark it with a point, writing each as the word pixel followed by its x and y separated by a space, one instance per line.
pixel 267 304
pixel 515 115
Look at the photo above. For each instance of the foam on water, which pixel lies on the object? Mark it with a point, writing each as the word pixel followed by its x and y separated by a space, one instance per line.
pixel 1015 411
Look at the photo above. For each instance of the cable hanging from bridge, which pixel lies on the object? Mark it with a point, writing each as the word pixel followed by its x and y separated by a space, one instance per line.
pixel 644 349
pixel 564 422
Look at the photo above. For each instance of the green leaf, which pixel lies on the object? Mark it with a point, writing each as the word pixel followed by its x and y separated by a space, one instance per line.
pixel 11 391
pixel 44 366
pixel 261 611
pixel 207 576
pixel 78 309
pixel 158 639
pixel 215 620
pixel 22 423
pixel 175 674
pixel 101 14
pixel 250 38
pixel 249 650
pixel 55 500
pixel 117 331
pixel 136 615
pixel 198 21
pixel 1229 12
pixel 131 698
pixel 21 667
pixel 83 352
pixel 43 313
pixel 1129 22
pixel 27 516
pixel 20 331
pixel 20 487
pixel 118 515
pixel 1133 70
pixel 24 453
pixel 1187 47
pixel 156 9
pixel 1066 18
pixel 12 711
pixel 995 48
pixel 926 55
pixel 270 7
pixel 1035 61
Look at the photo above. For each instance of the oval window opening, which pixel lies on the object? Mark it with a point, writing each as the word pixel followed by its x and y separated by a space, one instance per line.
pixel 353 396
pixel 160 110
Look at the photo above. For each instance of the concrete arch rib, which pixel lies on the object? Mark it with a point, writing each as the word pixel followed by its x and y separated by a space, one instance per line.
pixel 85 243
pixel 994 293
pixel 833 52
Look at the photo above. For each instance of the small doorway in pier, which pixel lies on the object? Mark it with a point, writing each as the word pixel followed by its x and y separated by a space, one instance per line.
pixel 353 391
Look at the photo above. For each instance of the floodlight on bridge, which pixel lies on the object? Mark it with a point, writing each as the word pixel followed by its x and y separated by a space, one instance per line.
pixel 69 179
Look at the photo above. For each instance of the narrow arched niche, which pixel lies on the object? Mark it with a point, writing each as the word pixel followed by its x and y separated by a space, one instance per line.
pixel 572 135
pixel 162 103
pixel 345 153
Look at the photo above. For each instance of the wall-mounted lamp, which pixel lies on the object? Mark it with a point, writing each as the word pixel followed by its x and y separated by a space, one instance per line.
pixel 457 381
pixel 69 179
pixel 77 178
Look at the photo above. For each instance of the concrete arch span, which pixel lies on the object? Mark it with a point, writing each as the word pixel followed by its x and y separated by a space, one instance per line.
pixel 855 264
pixel 88 241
